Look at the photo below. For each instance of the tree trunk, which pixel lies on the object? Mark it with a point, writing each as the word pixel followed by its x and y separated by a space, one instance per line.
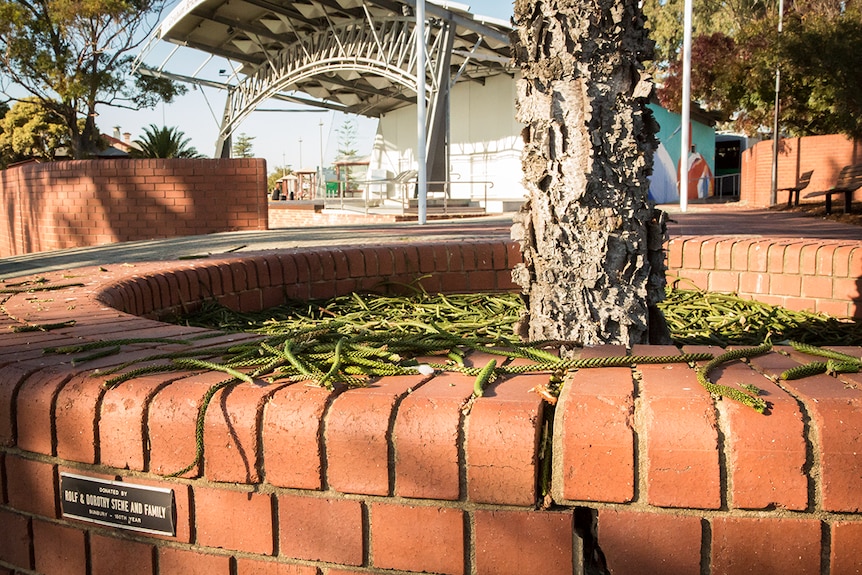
pixel 589 272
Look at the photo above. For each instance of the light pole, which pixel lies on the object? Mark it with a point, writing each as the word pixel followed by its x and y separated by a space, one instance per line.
pixel 421 153
pixel 321 144
pixel 300 154
pixel 685 145
pixel 773 194
pixel 322 182
pixel 282 185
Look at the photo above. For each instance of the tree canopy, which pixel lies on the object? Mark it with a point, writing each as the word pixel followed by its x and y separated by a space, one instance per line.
pixel 28 131
pixel 736 49
pixel 275 175
pixel 164 142
pixel 73 56
pixel 347 136
pixel 243 147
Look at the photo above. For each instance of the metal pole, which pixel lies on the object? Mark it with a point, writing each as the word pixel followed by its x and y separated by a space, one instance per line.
pixel 685 146
pixel 421 152
pixel 320 126
pixel 322 176
pixel 773 194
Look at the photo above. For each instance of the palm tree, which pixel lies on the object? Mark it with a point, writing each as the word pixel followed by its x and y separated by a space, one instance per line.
pixel 591 268
pixel 164 142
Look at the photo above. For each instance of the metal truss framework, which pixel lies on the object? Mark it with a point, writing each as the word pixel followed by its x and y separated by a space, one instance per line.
pixel 355 56
pixel 385 48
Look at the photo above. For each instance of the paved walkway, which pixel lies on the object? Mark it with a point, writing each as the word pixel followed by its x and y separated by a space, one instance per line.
pixel 713 220
pixel 723 220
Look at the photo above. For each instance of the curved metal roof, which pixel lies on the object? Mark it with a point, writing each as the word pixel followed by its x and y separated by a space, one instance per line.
pixel 349 55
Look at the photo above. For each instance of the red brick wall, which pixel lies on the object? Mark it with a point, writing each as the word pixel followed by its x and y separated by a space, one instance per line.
pixel 826 155
pixel 84 203
pixel 293 214
pixel 398 477
pixel 823 276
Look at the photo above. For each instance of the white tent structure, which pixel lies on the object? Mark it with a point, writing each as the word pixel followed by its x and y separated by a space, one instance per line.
pixel 361 57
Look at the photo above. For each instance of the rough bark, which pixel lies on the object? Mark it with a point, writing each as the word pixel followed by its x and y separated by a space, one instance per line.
pixel 589 139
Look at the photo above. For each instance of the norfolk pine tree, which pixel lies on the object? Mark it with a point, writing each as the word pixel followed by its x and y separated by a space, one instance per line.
pixel 243 147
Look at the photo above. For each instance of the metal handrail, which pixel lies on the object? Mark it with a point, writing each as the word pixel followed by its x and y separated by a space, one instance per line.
pixel 731 181
pixel 409 183
pixel 447 190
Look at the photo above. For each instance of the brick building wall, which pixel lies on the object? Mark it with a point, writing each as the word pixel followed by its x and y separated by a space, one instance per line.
pixel 826 155
pixel 91 202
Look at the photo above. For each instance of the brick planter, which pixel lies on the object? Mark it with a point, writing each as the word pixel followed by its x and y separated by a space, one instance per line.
pixel 799 273
pixel 396 478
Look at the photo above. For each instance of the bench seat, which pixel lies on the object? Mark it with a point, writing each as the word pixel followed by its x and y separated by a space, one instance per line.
pixel 849 180
pixel 793 192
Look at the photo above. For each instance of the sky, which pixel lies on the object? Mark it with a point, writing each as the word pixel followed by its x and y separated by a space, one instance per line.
pixel 295 139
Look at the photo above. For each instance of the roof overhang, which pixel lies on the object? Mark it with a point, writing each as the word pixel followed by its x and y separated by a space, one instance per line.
pixel 250 33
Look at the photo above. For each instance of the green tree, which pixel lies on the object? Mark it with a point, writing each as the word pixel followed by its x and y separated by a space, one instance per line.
pixel 277 174
pixel 665 22
pixel 820 56
pixel 164 142
pixel 347 138
pixel 733 71
pixel 4 109
pixel 74 56
pixel 28 131
pixel 242 147
pixel 347 151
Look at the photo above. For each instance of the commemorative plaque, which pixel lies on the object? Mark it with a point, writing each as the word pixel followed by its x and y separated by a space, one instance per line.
pixel 118 504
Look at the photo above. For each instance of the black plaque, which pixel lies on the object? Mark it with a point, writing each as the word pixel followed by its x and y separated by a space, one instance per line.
pixel 118 504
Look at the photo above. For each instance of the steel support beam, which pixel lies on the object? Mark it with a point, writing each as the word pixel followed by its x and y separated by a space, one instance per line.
pixel 437 123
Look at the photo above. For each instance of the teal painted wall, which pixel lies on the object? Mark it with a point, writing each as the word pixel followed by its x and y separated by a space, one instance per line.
pixel 664 187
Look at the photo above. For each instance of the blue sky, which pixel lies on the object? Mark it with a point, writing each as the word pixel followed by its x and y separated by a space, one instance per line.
pixel 276 135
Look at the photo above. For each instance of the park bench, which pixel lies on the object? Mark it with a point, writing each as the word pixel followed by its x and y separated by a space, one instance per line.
pixel 849 180
pixel 793 192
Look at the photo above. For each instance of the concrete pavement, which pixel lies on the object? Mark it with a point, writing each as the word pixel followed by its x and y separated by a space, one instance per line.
pixel 709 220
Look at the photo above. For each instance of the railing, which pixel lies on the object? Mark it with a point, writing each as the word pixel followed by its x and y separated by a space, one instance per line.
pixel 444 192
pixel 727 185
pixel 721 186
pixel 375 196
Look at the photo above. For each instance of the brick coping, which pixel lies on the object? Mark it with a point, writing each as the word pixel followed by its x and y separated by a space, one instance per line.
pixel 821 275
pixel 386 478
